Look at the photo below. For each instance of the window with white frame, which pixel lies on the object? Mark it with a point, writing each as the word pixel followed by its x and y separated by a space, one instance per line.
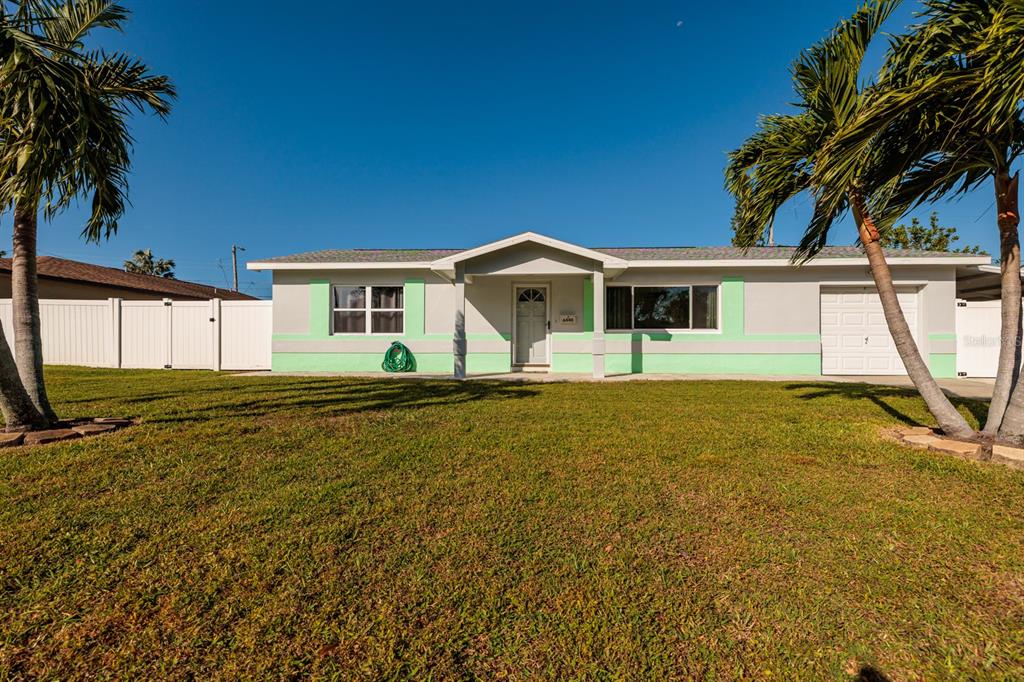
pixel 661 307
pixel 368 309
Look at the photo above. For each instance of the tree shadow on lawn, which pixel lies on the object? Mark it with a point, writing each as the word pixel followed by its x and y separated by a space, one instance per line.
pixel 331 398
pixel 878 395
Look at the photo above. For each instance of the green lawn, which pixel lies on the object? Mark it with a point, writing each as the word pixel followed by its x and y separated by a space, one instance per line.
pixel 281 526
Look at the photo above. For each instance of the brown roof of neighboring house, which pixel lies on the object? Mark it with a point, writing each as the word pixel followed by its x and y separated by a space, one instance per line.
pixel 51 267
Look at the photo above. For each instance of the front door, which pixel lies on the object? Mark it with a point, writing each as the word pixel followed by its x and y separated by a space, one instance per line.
pixel 531 342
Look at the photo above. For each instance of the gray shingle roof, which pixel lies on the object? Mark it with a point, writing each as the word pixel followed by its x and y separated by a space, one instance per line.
pixel 364 256
pixel 754 253
pixel 694 253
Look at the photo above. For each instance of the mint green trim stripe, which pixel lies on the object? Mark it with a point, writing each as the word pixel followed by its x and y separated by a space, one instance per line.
pixel 684 336
pixel 774 364
pixel 572 363
pixel 415 308
pixel 942 336
pixel 942 365
pixel 709 337
pixel 319 308
pixel 440 363
pixel 733 297
pixel 398 337
pixel 431 363
pixel 488 363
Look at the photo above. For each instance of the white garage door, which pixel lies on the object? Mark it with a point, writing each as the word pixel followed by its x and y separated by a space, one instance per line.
pixel 854 336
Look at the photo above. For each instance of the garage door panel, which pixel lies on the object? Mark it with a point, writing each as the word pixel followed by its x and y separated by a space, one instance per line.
pixel 878 319
pixel 852 365
pixel 879 363
pixel 852 319
pixel 855 336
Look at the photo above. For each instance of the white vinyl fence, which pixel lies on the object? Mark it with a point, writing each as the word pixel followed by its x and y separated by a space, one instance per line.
pixel 213 334
pixel 978 327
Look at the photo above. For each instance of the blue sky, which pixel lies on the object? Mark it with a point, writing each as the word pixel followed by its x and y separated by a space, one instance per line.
pixel 448 124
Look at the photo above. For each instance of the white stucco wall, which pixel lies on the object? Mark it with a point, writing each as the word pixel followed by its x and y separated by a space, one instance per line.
pixel 777 300
pixel 787 301
pixel 291 294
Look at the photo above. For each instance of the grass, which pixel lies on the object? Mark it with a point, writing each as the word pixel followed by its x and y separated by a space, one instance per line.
pixel 380 529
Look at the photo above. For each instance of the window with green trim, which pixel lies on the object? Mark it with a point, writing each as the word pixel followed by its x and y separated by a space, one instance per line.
pixel 368 309
pixel 682 307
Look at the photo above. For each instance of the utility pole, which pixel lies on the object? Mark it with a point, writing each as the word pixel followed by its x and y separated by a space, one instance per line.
pixel 234 262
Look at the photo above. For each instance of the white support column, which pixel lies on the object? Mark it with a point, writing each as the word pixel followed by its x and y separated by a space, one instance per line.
pixel 215 323
pixel 459 340
pixel 115 333
pixel 598 342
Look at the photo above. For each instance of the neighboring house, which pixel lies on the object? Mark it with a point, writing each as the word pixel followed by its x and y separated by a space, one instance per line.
pixel 530 302
pixel 60 278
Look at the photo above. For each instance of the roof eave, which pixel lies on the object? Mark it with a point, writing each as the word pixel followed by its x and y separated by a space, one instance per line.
pixel 817 262
pixel 446 266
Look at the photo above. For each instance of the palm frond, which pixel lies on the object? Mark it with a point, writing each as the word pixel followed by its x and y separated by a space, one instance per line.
pixel 785 156
pixel 64 111
pixel 67 22
pixel 127 82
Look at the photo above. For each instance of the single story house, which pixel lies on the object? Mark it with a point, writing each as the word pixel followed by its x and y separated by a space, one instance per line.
pixel 533 303
pixel 60 278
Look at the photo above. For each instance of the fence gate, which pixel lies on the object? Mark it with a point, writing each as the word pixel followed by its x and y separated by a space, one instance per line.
pixel 977 338
pixel 145 333
pixel 166 334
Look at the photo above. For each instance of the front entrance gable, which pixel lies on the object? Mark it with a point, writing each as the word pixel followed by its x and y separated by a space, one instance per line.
pixel 528 253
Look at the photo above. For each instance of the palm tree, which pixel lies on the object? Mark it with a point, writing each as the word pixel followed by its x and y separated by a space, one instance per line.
pixel 64 111
pixel 143 263
pixel 960 74
pixel 782 160
pixel 955 72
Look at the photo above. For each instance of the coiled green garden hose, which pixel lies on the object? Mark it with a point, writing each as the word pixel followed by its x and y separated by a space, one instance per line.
pixel 398 358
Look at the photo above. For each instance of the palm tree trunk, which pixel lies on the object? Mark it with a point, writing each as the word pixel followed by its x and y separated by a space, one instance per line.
pixel 1012 428
pixel 28 342
pixel 951 422
pixel 1009 254
pixel 17 407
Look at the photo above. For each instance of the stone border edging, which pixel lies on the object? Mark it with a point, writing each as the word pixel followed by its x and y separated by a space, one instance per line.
pixel 64 430
pixel 923 437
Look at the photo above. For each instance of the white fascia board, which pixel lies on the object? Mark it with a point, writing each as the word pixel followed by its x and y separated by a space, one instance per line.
pixel 447 263
pixel 995 269
pixel 822 262
pixel 416 265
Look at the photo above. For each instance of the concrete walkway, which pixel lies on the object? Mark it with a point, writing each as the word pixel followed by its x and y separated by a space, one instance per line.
pixel 964 388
